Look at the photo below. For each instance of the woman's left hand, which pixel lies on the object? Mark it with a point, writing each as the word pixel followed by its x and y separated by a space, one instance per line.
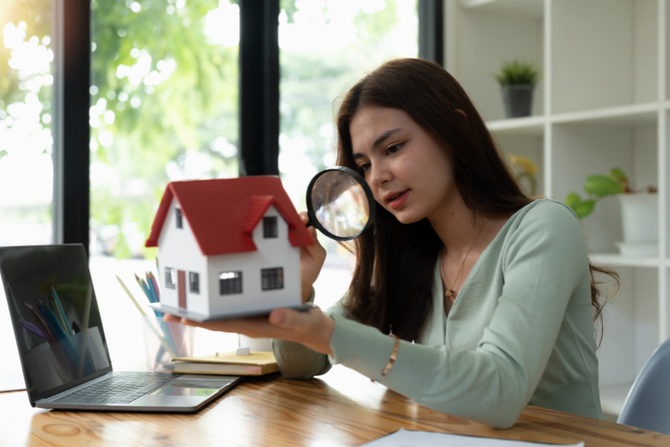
pixel 311 328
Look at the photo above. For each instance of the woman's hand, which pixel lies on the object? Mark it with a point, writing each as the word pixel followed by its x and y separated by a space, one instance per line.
pixel 311 328
pixel 311 261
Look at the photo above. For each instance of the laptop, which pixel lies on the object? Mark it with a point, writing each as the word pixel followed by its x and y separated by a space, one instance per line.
pixel 62 345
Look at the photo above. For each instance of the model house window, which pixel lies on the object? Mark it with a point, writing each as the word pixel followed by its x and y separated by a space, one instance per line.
pixel 180 223
pixel 270 227
pixel 230 283
pixel 170 278
pixel 272 278
pixel 194 282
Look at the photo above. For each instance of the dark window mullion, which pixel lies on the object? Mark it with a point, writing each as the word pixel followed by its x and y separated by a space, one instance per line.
pixel 259 87
pixel 71 131
pixel 431 30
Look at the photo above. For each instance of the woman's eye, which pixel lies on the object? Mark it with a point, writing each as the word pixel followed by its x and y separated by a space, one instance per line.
pixel 364 167
pixel 393 149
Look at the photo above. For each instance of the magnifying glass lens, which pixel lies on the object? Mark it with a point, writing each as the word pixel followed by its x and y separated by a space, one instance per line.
pixel 340 204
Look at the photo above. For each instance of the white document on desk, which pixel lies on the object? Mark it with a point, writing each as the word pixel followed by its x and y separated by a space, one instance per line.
pixel 409 438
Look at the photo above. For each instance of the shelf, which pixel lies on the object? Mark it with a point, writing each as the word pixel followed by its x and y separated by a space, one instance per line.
pixel 612 398
pixel 627 116
pixel 532 125
pixel 603 101
pixel 613 259
pixel 524 8
pixel 630 115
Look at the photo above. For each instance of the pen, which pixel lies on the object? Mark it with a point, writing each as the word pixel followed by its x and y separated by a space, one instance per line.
pixel 150 294
pixel 51 304
pixel 144 287
pixel 132 298
pixel 51 320
pixel 61 311
pixel 153 296
pixel 34 329
pixel 154 283
pixel 40 321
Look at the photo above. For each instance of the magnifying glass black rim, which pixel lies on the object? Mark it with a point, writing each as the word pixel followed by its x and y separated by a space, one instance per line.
pixel 368 193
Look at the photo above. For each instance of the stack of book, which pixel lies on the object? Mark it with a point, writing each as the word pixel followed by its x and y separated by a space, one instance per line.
pixel 228 363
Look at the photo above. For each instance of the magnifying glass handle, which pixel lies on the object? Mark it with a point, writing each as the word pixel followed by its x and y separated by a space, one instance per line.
pixel 309 223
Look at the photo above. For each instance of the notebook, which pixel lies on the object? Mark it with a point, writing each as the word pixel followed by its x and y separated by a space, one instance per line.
pixel 62 345
pixel 255 363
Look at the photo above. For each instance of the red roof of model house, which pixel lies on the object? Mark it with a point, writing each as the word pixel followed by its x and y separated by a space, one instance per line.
pixel 222 213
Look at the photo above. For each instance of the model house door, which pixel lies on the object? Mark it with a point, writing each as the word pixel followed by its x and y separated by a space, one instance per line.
pixel 181 288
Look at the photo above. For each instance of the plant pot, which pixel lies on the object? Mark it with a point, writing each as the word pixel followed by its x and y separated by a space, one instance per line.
pixel 639 221
pixel 517 99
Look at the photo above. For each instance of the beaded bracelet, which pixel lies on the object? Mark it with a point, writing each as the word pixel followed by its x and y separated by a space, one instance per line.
pixel 394 354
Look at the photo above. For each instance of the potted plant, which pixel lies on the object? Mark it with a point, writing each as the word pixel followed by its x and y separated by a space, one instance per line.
pixel 639 211
pixel 517 81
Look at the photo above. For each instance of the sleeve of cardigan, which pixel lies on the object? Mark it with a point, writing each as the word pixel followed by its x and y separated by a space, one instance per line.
pixel 297 361
pixel 543 262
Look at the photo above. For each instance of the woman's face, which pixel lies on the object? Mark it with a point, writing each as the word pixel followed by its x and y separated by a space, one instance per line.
pixel 409 174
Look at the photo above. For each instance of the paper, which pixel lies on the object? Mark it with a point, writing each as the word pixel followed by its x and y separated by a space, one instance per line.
pixel 408 438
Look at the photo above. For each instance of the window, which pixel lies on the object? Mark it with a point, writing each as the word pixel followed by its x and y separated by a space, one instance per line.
pixel 230 283
pixel 179 218
pixel 153 97
pixel 170 278
pixel 325 47
pixel 194 282
pixel 270 227
pixel 163 88
pixel 272 279
pixel 26 143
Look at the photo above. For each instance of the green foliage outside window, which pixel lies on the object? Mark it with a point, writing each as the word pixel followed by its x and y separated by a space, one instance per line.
pixel 164 96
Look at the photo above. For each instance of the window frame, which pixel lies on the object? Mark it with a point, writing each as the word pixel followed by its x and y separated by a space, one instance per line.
pixel 170 274
pixel 270 227
pixel 191 282
pixel 235 285
pixel 179 218
pixel 272 279
pixel 259 99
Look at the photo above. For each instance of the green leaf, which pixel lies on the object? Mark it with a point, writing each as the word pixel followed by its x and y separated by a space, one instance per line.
pixel 573 200
pixel 517 72
pixel 584 208
pixel 602 185
pixel 618 174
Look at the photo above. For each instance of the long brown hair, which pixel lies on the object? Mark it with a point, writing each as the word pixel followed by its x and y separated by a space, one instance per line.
pixel 393 278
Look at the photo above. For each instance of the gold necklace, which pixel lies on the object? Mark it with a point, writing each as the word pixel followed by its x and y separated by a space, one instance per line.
pixel 450 292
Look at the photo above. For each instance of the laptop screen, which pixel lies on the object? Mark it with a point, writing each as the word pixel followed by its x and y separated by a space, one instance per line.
pixel 55 316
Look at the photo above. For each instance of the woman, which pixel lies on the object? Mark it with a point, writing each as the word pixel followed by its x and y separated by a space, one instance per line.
pixel 487 295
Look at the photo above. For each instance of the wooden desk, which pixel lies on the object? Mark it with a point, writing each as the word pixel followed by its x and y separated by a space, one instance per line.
pixel 342 408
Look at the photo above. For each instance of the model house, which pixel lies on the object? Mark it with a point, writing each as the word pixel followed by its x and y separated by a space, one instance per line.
pixel 228 245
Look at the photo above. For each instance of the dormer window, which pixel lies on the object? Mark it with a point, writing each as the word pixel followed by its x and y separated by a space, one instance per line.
pixel 270 227
pixel 180 222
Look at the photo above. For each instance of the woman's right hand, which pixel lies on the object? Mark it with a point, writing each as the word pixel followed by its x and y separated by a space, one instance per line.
pixel 311 260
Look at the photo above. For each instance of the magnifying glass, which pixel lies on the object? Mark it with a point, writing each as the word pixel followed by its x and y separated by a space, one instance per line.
pixel 340 203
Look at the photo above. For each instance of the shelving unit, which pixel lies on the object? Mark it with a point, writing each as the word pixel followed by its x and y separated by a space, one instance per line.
pixel 602 102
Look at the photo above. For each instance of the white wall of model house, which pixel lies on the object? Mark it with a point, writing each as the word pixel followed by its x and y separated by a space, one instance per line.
pixel 178 249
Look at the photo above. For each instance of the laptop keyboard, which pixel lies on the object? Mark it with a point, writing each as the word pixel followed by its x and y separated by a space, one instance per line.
pixel 118 388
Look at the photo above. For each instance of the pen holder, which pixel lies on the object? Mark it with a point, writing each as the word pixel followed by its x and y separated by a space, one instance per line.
pixel 165 340
pixel 255 344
